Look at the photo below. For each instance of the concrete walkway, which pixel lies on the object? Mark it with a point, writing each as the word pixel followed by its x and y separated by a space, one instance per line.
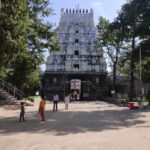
pixel 85 126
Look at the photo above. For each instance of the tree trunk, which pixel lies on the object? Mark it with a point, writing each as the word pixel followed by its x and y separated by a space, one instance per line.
pixel 132 81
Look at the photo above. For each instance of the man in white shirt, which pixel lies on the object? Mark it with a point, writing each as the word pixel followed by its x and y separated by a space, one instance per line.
pixel 55 102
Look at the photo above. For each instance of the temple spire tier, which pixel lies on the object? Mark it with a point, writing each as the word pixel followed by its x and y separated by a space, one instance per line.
pixel 77 38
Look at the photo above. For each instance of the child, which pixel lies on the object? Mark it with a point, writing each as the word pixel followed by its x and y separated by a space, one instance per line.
pixel 22 112
pixel 42 108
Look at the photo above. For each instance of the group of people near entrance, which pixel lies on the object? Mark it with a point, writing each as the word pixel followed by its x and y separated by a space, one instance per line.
pixel 42 104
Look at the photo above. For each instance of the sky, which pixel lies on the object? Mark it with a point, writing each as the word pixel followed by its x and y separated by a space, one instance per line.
pixel 104 8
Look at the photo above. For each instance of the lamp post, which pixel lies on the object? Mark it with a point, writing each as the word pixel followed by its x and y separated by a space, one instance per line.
pixel 141 89
pixel 140 69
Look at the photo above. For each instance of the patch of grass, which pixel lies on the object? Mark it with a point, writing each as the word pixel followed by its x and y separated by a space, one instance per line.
pixel 32 98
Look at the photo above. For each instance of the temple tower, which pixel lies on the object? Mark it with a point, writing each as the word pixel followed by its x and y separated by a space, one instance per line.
pixel 78 59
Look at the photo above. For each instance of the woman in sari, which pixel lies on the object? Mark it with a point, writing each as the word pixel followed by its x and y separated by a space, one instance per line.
pixel 42 108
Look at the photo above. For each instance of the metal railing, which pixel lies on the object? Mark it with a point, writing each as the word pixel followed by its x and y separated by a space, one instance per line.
pixel 11 89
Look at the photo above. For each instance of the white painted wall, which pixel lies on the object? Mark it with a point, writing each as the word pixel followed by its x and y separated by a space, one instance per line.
pixel 69 24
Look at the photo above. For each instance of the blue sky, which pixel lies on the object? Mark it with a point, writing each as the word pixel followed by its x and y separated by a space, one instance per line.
pixel 105 8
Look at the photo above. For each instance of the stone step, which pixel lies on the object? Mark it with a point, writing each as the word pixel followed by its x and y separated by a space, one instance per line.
pixel 5 95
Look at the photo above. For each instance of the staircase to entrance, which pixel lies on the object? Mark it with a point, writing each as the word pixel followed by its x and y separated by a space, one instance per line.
pixel 9 93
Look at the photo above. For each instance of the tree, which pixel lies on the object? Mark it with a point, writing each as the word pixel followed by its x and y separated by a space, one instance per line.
pixel 127 19
pixel 144 35
pixel 39 33
pixel 54 42
pixel 21 66
pixel 110 37
pixel 25 35
pixel 14 22
pixel 133 18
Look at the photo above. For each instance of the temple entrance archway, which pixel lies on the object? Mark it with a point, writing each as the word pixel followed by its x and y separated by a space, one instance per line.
pixel 79 89
pixel 75 87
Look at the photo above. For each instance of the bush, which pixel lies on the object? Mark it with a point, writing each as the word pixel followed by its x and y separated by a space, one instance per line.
pixel 31 99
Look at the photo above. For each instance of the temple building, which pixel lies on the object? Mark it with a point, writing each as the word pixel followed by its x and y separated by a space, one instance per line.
pixel 78 68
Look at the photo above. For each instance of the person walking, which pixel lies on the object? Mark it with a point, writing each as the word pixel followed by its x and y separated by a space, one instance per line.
pixel 22 112
pixel 42 108
pixel 67 100
pixel 55 102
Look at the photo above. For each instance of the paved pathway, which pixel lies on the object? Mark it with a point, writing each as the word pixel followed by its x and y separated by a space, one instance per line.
pixel 85 126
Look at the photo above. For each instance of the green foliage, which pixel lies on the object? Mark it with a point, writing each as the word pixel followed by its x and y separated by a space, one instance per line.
pixel 124 37
pixel 14 21
pixel 39 31
pixel 54 44
pixel 134 18
pixel 25 73
pixel 3 73
pixel 25 35
pixel 102 27
pixel 22 65
pixel 110 39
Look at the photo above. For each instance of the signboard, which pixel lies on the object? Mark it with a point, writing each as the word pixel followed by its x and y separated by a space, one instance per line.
pixel 37 93
pixel 113 92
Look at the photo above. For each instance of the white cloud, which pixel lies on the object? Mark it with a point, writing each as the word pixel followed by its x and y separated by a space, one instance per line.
pixel 98 10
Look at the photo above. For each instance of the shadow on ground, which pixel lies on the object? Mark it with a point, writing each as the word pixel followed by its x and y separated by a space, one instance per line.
pixel 72 122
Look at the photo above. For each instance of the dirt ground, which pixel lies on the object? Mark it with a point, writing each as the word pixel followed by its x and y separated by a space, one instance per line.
pixel 85 126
